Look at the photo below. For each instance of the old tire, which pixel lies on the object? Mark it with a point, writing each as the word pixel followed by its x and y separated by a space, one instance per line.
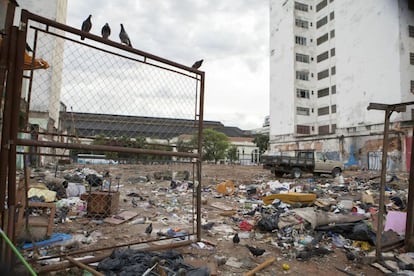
pixel 296 173
pixel 336 172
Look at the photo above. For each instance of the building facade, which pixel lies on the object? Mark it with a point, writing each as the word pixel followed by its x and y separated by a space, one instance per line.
pixel 329 60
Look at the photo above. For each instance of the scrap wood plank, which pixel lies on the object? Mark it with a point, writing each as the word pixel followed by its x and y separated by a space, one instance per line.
pixel 221 206
pixel 260 266
pixel 121 217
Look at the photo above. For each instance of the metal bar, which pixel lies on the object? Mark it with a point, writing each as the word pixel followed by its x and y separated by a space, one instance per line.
pixel 6 142
pixel 64 265
pixel 409 226
pixel 14 125
pixel 84 266
pixel 49 144
pixel 5 60
pixel 399 107
pixel 380 227
pixel 29 92
pixel 200 154
pixel 40 19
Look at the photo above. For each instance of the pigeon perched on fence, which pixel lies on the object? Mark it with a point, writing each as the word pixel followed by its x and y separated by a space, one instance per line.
pixel 106 31
pixel 86 25
pixel 28 48
pixel 197 64
pixel 124 36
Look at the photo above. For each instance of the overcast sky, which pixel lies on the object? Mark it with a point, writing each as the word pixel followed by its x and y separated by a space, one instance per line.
pixel 230 35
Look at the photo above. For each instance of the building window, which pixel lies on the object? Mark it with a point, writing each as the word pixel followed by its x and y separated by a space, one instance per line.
pixel 333 108
pixel 323 129
pixel 302 129
pixel 322 56
pixel 323 74
pixel 302 58
pixel 331 16
pixel 301 7
pixel 302 111
pixel 302 75
pixel 412 86
pixel 301 23
pixel 323 111
pixel 332 52
pixel 321 22
pixel 322 39
pixel 300 40
pixel 412 58
pixel 323 92
pixel 302 93
pixel 333 89
pixel 332 33
pixel 410 31
pixel 333 128
pixel 333 70
pixel 321 5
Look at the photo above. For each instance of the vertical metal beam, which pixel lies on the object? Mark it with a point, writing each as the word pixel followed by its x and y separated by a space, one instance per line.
pixel 380 227
pixel 409 227
pixel 200 154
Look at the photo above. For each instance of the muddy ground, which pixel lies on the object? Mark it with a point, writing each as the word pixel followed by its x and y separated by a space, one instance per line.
pixel 155 202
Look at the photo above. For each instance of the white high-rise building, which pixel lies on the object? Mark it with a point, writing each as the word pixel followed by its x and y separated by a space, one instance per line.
pixel 329 60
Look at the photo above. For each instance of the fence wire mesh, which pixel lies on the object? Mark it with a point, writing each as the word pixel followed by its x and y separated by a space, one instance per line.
pixel 95 102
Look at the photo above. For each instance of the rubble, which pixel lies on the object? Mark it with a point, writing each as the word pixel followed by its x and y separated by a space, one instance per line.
pixel 301 221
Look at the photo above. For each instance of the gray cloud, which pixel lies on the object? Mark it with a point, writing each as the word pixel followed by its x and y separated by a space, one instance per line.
pixel 231 36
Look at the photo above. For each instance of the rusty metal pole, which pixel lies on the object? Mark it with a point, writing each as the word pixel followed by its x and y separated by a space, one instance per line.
pixel 409 226
pixel 380 226
pixel 200 154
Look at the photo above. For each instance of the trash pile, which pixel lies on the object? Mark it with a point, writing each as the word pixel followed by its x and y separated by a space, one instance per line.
pixel 312 217
pixel 136 262
pixel 300 220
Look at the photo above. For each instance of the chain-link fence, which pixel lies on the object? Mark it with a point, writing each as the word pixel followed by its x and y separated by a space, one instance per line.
pixel 111 131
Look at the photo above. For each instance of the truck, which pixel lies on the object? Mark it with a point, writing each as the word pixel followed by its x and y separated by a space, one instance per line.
pixel 309 161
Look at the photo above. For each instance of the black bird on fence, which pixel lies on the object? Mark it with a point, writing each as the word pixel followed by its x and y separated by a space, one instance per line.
pixel 124 36
pixel 86 25
pixel 148 230
pixel 236 238
pixel 106 31
pixel 197 64
pixel 255 251
pixel 28 48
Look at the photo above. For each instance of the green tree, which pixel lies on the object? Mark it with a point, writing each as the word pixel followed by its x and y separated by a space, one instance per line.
pixel 262 142
pixel 232 154
pixel 215 144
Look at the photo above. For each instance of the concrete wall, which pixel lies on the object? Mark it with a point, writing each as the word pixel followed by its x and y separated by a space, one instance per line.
pixel 282 75
pixel 367 59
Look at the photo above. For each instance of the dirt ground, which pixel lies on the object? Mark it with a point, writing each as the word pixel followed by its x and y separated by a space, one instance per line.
pixel 167 209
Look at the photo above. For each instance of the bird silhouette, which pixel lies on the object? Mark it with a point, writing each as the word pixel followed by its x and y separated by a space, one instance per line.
pixel 28 48
pixel 197 64
pixel 106 31
pixel 148 230
pixel 86 25
pixel 255 251
pixel 236 238
pixel 124 36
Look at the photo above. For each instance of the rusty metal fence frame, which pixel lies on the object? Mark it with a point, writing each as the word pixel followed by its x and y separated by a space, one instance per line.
pixel 12 76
